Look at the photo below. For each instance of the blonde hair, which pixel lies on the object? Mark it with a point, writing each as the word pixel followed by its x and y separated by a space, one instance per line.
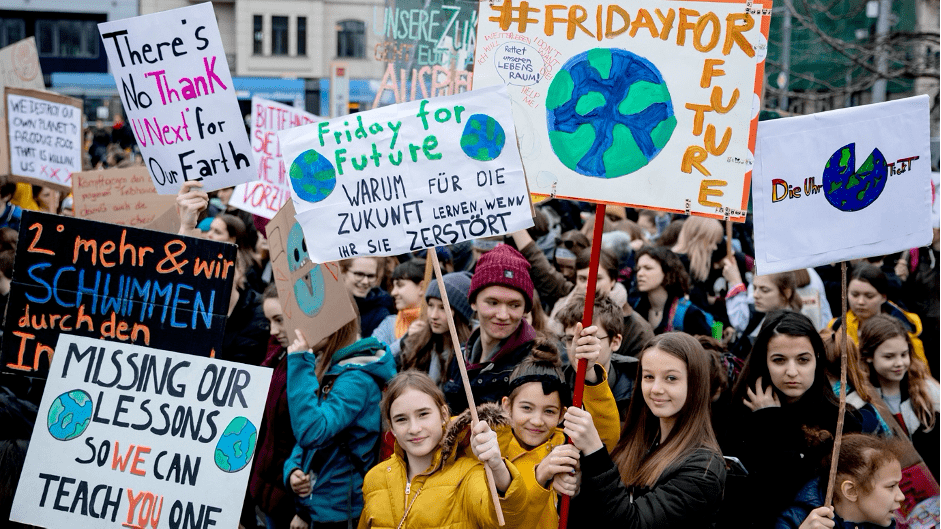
pixel 697 238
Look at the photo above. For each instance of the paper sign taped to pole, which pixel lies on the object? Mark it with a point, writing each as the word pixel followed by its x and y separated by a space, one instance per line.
pixel 179 98
pixel 133 436
pixel 45 137
pixel 841 185
pixel 312 296
pixel 405 177
pixel 265 195
pixel 650 104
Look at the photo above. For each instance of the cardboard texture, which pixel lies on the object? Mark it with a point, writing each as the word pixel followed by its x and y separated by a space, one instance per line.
pixel 313 296
pixel 19 68
pixel 649 104
pixel 172 438
pixel 44 137
pixel 122 196
pixel 118 283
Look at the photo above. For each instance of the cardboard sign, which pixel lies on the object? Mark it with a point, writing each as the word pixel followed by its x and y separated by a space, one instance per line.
pixel 120 196
pixel 312 296
pixel 266 195
pixel 410 176
pixel 842 185
pixel 113 282
pixel 45 136
pixel 140 437
pixel 428 46
pixel 650 104
pixel 19 68
pixel 179 97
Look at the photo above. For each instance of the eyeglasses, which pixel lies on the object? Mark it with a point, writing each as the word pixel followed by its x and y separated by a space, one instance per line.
pixel 569 337
pixel 359 276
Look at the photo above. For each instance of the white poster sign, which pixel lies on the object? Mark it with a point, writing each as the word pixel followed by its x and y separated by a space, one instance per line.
pixel 178 94
pixel 266 195
pixel 651 104
pixel 842 185
pixel 45 134
pixel 138 437
pixel 408 176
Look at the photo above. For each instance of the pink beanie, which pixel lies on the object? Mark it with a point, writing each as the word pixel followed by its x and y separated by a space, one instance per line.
pixel 503 266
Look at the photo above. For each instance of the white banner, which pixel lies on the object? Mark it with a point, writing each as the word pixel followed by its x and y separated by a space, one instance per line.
pixel 139 437
pixel 174 81
pixel 842 185
pixel 45 138
pixel 265 196
pixel 409 176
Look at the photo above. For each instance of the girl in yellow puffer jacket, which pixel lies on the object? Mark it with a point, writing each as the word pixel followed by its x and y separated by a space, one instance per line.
pixel 429 481
pixel 536 402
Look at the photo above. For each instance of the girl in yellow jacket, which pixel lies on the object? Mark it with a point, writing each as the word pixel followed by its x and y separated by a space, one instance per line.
pixel 536 402
pixel 429 481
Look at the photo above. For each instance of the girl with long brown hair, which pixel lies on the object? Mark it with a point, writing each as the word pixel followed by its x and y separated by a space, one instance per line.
pixel 667 469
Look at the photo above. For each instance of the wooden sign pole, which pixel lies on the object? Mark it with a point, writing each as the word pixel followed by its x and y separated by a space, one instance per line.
pixel 587 317
pixel 838 436
pixel 456 346
pixel 729 251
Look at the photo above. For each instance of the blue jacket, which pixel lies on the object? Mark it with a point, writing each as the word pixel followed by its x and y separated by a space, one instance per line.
pixel 345 410
pixel 808 499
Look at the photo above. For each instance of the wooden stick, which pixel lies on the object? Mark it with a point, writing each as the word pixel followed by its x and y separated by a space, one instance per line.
pixel 429 271
pixel 838 436
pixel 729 251
pixel 587 317
pixel 456 348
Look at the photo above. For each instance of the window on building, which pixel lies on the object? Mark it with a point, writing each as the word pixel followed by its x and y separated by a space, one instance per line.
pixel 302 35
pixel 279 35
pixel 258 34
pixel 11 30
pixel 67 38
pixel 351 39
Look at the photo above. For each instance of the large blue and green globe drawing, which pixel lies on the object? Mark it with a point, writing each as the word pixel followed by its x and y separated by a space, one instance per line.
pixel 849 189
pixel 236 445
pixel 69 415
pixel 609 113
pixel 313 177
pixel 483 138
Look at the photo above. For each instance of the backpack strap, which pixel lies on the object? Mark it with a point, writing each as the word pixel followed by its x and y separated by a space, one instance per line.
pixel 677 314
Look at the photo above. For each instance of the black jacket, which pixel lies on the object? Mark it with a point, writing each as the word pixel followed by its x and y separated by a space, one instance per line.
pixel 246 331
pixel 686 495
pixel 373 309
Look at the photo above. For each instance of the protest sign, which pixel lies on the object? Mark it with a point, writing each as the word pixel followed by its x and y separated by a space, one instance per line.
pixel 312 296
pixel 428 46
pixel 405 177
pixel 45 136
pixel 19 68
pixel 134 436
pixel 265 195
pixel 651 104
pixel 120 196
pixel 816 204
pixel 179 98
pixel 116 283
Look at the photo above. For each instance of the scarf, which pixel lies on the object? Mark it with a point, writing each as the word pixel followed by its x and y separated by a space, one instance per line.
pixel 403 319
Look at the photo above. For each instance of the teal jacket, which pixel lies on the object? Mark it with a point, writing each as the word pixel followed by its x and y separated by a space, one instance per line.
pixel 337 426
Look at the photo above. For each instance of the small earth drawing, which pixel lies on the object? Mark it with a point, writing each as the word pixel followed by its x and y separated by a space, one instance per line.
pixel 849 189
pixel 609 113
pixel 483 138
pixel 313 177
pixel 69 415
pixel 236 445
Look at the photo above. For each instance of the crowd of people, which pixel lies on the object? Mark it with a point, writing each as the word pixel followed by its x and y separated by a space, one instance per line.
pixel 711 396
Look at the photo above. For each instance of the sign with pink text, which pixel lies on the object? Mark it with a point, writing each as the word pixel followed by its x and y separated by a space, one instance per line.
pixel 265 196
pixel 841 185
pixel 651 103
pixel 136 437
pixel 179 98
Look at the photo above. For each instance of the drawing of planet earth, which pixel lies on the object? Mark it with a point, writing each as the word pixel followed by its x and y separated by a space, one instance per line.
pixel 848 189
pixel 609 113
pixel 69 415
pixel 313 177
pixel 483 138
pixel 236 445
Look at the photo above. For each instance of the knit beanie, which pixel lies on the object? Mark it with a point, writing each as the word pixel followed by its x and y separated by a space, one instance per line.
pixel 457 284
pixel 503 266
